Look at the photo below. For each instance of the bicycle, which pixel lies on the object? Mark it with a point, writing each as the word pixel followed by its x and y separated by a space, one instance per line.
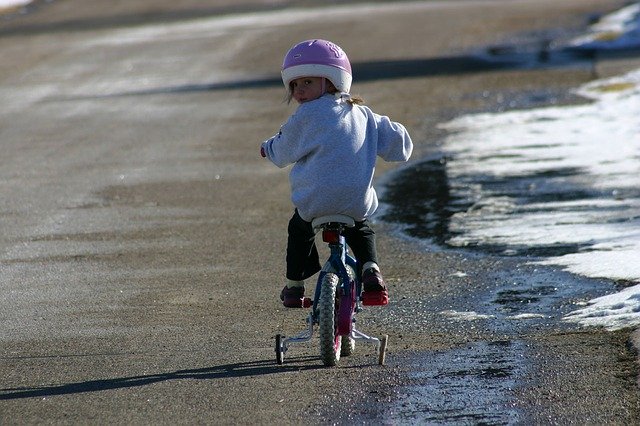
pixel 336 300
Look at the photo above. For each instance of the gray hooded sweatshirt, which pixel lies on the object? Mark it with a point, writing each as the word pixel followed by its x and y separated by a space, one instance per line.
pixel 333 147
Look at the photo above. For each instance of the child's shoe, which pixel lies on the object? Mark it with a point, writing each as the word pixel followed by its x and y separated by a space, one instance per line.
pixel 374 291
pixel 292 297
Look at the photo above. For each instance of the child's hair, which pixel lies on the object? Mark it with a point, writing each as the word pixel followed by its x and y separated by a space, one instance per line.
pixel 351 99
pixel 355 100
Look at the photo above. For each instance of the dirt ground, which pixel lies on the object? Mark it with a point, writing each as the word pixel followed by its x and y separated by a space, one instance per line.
pixel 143 236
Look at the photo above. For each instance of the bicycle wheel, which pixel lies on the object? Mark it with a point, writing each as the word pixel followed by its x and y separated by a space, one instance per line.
pixel 330 341
pixel 348 346
pixel 348 343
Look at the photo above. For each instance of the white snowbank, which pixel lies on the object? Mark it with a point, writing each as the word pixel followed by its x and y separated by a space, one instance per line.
pixel 597 144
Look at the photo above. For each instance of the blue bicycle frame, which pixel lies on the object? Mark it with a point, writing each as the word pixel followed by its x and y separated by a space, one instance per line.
pixel 338 258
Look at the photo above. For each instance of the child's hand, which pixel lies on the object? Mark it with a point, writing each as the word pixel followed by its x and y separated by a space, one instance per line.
pixel 262 153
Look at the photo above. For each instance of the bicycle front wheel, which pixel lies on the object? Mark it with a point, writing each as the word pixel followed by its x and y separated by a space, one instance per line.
pixel 330 341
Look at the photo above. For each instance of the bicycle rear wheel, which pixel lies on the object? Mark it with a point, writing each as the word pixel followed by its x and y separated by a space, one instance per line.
pixel 348 346
pixel 330 341
pixel 345 318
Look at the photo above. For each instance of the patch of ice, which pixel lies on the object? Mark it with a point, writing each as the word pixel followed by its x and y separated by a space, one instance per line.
pixel 465 316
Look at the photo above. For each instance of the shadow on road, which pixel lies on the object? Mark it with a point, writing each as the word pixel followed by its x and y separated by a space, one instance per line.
pixel 365 72
pixel 242 369
pixel 368 71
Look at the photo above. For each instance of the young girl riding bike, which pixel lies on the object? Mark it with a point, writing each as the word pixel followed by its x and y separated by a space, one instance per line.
pixel 332 140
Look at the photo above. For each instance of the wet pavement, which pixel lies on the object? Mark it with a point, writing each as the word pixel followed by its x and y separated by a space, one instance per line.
pixel 492 357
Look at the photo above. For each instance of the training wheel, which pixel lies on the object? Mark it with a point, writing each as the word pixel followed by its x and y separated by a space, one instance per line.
pixel 382 352
pixel 279 349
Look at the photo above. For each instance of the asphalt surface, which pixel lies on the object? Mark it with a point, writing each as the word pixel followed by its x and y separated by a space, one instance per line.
pixel 142 237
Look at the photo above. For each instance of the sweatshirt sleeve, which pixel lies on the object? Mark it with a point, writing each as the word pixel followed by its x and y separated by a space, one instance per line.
pixel 394 142
pixel 286 147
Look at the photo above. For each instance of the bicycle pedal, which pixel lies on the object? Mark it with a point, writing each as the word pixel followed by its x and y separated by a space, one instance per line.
pixel 375 298
pixel 302 302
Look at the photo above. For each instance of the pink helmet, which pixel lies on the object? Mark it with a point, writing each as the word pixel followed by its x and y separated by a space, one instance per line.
pixel 317 58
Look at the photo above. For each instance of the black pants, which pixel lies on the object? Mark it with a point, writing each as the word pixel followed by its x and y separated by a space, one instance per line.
pixel 302 254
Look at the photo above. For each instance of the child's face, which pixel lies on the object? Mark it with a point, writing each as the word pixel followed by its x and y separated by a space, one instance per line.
pixel 307 89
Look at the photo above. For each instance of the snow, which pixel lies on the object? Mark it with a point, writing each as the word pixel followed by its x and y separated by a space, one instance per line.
pixel 7 4
pixel 616 30
pixel 587 149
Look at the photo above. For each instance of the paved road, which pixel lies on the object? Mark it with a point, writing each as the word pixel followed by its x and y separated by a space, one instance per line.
pixel 142 237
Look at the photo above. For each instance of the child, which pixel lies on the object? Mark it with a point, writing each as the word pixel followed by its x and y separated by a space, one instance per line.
pixel 333 141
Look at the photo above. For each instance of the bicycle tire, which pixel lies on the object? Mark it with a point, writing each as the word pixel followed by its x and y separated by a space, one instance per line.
pixel 330 342
pixel 349 343
pixel 348 346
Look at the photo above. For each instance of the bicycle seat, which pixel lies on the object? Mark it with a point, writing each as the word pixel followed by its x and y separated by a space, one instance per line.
pixel 348 221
